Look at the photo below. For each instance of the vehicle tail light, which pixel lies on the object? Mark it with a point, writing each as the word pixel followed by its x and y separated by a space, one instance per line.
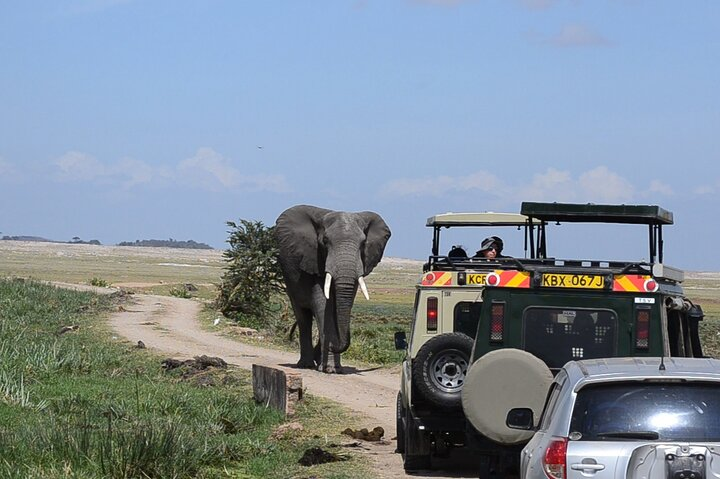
pixel 642 329
pixel 432 314
pixel 555 459
pixel 497 322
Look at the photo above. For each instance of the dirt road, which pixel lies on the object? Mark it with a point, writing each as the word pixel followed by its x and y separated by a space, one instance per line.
pixel 170 325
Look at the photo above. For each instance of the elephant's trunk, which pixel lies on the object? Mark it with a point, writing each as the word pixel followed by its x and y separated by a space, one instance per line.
pixel 345 291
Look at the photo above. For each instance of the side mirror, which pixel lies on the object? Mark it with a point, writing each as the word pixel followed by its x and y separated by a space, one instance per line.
pixel 520 418
pixel 400 340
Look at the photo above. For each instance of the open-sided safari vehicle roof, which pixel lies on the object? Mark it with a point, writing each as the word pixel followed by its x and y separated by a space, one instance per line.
pixel 651 215
pixel 533 219
pixel 484 219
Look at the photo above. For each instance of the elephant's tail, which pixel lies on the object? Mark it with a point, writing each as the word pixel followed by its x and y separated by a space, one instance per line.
pixel 292 330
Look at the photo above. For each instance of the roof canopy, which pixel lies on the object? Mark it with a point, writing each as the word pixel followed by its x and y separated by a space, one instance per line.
pixel 478 219
pixel 592 213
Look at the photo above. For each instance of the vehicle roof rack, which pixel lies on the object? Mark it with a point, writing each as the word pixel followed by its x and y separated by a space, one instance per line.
pixel 592 213
pixel 477 219
pixel 651 215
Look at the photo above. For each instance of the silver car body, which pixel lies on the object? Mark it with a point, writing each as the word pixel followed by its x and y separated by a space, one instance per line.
pixel 628 457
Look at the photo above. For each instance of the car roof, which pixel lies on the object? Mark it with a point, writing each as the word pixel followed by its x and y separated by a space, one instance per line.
pixel 592 213
pixel 638 369
pixel 487 218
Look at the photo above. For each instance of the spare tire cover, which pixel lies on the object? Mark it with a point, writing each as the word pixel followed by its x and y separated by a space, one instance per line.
pixel 499 381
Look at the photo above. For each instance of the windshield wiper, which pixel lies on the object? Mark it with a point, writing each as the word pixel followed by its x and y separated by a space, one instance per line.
pixel 650 435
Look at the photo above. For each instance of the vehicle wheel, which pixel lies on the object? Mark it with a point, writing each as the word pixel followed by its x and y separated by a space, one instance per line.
pixel 415 441
pixel 416 462
pixel 440 367
pixel 400 425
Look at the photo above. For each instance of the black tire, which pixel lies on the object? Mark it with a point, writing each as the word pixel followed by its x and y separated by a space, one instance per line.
pixel 413 463
pixel 400 425
pixel 440 367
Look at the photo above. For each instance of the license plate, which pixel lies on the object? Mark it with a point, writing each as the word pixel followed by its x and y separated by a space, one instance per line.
pixel 477 279
pixel 587 281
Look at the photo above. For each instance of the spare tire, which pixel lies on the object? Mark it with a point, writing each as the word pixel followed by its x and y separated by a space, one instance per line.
pixel 440 367
pixel 499 381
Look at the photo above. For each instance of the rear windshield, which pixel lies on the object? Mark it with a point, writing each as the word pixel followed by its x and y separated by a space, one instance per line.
pixel 467 316
pixel 658 411
pixel 559 335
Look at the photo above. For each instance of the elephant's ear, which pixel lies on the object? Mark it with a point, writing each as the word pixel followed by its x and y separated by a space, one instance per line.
pixel 377 234
pixel 296 230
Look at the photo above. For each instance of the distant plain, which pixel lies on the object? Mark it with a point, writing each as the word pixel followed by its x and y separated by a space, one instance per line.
pixel 158 270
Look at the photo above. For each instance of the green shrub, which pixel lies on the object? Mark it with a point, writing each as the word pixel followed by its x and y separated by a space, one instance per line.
pixel 252 276
pixel 180 292
pixel 99 282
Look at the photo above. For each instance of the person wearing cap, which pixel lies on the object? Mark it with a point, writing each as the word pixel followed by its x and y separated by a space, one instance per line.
pixel 490 248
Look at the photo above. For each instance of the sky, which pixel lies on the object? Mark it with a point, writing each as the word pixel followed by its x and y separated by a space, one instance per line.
pixel 123 120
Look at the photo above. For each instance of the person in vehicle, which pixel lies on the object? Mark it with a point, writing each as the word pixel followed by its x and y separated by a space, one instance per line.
pixel 457 253
pixel 490 248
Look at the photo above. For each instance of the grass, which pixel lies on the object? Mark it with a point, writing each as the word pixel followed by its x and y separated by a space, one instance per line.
pixel 80 405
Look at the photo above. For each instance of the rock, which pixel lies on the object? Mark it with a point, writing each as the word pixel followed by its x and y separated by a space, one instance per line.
pixel 316 455
pixel 375 435
pixel 66 329
pixel 243 331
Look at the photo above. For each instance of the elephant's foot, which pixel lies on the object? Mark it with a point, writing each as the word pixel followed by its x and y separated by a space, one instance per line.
pixel 330 369
pixel 306 364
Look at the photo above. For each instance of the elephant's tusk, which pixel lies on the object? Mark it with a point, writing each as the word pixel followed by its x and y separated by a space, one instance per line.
pixel 361 281
pixel 328 281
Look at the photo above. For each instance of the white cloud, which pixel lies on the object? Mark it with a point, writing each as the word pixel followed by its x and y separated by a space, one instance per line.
pixel 206 169
pixel 598 185
pixel 603 185
pixel 572 35
pixel 78 166
pixel 136 172
pixel 439 186
pixel 658 187
pixel 212 170
pixel 552 185
pixel 5 168
pixel 704 190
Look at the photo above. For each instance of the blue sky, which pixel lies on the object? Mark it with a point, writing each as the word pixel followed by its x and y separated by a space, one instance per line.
pixel 124 120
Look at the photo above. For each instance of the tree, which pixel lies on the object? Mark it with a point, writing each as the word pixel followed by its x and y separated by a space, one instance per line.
pixel 252 273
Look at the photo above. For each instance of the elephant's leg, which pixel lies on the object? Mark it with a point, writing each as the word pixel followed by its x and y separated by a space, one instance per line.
pixel 329 330
pixel 307 351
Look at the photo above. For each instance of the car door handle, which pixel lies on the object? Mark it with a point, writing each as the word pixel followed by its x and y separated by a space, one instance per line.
pixel 587 467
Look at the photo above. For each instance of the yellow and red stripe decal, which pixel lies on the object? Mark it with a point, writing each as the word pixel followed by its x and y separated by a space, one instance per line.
pixel 437 278
pixel 631 283
pixel 511 279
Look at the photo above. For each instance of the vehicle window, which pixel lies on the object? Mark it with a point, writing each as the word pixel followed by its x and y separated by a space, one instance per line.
pixel 466 317
pixel 674 411
pixel 551 402
pixel 559 335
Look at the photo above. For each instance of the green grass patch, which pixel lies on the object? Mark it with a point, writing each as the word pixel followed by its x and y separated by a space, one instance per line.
pixel 75 404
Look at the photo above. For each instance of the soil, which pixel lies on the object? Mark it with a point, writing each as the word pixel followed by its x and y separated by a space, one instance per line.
pixel 170 325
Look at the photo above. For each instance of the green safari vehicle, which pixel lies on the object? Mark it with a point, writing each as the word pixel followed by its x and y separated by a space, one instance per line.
pixel 485 331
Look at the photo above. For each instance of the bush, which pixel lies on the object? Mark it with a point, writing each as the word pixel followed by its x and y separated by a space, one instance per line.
pixel 252 274
pixel 180 292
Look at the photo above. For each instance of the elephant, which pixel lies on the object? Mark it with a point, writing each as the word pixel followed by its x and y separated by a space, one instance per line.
pixel 324 256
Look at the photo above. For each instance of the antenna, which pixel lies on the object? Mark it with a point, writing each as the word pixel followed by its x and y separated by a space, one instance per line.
pixel 662 362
